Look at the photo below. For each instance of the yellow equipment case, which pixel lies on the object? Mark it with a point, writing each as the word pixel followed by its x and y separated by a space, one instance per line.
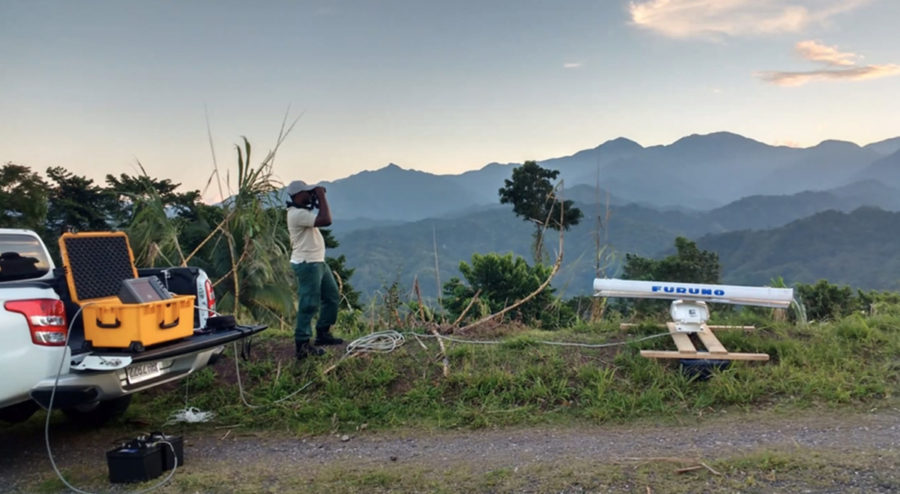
pixel 97 265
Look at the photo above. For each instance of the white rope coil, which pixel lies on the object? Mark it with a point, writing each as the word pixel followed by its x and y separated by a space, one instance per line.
pixel 380 342
pixel 190 415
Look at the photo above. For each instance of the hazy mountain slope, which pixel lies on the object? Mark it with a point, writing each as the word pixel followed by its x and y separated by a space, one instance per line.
pixel 762 212
pixel 719 167
pixel 588 194
pixel 869 193
pixel 587 166
pixel 484 183
pixel 885 170
pixel 828 165
pixel 646 180
pixel 885 147
pixel 395 194
pixel 858 249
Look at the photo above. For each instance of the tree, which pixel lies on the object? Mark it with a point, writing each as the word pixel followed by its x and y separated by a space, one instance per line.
pixel 131 191
pixel 338 265
pixel 688 265
pixel 534 199
pixel 23 195
pixel 75 203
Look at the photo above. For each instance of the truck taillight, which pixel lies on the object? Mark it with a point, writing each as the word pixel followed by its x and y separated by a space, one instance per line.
pixel 46 319
pixel 210 298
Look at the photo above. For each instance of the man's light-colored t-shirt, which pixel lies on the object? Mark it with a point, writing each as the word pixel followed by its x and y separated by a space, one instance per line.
pixel 307 243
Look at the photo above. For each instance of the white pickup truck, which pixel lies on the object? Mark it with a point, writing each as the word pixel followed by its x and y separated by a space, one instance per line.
pixel 93 385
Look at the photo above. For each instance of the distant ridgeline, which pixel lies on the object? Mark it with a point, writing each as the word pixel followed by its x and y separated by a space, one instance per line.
pixel 767 211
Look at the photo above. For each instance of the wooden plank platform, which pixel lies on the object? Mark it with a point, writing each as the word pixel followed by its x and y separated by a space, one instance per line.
pixel 704 355
pixel 687 349
pixel 710 341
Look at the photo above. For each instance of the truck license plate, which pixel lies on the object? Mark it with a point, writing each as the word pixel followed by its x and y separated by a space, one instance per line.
pixel 142 372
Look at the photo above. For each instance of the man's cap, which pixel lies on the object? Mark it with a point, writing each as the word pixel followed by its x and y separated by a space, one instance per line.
pixel 298 186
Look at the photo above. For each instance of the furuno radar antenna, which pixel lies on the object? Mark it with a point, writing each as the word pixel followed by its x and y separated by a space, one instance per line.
pixel 689 311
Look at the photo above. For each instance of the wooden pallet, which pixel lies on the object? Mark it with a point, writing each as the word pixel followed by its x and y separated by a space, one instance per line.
pixel 687 350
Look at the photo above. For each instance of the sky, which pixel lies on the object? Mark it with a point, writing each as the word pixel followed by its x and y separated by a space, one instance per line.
pixel 439 86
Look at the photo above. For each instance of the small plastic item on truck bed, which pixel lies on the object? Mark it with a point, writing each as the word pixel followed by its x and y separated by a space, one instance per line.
pixel 97 264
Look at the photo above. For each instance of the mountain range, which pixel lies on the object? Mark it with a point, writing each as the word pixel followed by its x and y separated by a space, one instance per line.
pixel 698 172
pixel 394 223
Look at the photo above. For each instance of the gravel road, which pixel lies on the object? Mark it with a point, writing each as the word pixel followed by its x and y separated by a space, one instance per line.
pixel 25 459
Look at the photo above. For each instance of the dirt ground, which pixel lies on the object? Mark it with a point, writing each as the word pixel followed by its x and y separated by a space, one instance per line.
pixel 873 435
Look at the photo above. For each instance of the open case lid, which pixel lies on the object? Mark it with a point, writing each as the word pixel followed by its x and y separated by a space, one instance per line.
pixel 96 263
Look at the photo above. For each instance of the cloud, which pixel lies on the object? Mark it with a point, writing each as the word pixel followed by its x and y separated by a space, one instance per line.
pixel 838 66
pixel 716 18
pixel 572 65
pixel 850 74
pixel 817 52
pixel 789 143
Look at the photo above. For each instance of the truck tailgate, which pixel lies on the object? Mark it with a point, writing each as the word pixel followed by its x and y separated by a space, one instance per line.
pixel 188 345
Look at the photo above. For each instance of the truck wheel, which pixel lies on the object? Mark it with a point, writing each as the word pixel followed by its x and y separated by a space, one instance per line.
pixel 98 413
pixel 20 412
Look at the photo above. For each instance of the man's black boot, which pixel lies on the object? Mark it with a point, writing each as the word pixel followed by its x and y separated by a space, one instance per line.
pixel 305 349
pixel 324 337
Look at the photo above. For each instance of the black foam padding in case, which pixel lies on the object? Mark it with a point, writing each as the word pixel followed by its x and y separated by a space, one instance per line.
pixel 98 265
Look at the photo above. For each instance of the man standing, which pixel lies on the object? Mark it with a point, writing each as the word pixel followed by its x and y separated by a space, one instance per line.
pixel 307 211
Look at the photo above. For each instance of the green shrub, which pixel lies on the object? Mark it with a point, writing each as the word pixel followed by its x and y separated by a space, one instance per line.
pixel 500 281
pixel 826 301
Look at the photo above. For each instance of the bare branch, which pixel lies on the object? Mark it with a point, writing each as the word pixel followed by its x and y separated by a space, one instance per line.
pixel 437 272
pixel 469 306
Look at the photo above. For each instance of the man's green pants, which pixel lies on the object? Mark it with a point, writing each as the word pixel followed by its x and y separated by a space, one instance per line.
pixel 318 293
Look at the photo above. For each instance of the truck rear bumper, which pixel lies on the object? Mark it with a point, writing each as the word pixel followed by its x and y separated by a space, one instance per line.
pixel 152 367
pixel 66 396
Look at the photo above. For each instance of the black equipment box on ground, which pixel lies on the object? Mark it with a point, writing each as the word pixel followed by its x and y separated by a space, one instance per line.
pixel 136 461
pixel 145 458
pixel 169 458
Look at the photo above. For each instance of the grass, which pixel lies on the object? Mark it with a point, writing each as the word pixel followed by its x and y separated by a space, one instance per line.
pixel 848 363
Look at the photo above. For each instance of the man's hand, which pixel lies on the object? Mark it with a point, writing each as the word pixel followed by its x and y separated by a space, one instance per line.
pixel 324 216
